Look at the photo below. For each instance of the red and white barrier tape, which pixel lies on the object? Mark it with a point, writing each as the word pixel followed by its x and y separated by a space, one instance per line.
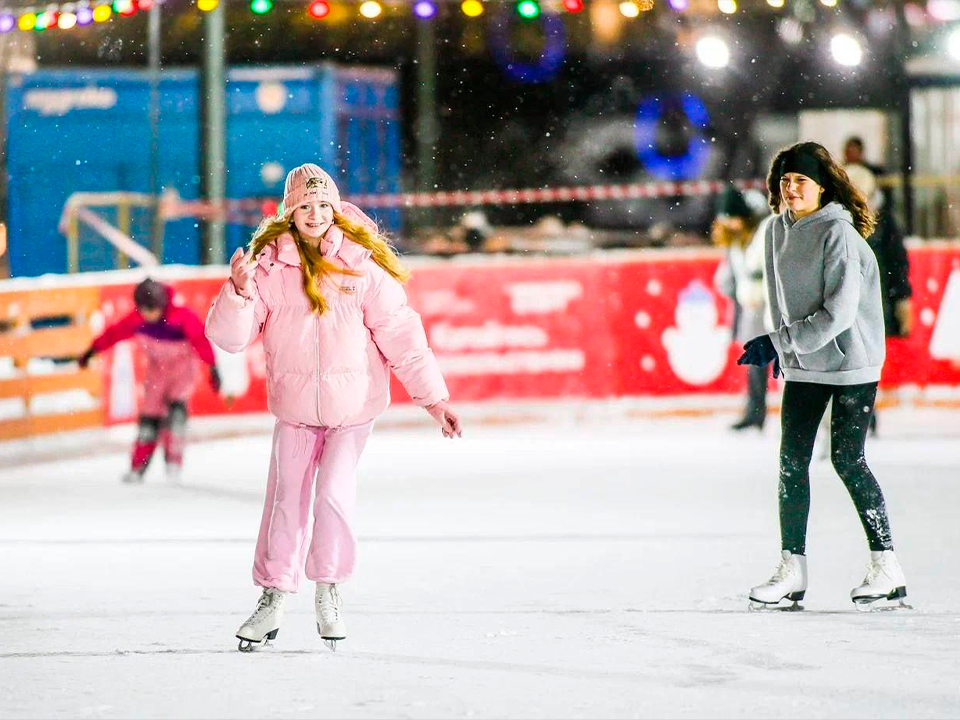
pixel 266 206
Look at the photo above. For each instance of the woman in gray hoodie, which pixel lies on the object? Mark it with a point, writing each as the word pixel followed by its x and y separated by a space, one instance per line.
pixel 823 287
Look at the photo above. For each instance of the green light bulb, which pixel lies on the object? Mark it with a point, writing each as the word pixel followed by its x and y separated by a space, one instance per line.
pixel 261 7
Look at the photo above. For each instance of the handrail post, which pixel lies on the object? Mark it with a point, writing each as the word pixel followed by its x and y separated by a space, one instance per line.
pixel 73 249
pixel 123 224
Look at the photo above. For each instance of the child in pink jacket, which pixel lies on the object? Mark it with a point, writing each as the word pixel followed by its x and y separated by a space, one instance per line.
pixel 324 290
pixel 171 337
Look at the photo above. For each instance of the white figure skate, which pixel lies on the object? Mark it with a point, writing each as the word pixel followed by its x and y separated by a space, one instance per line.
pixel 174 473
pixel 884 581
pixel 133 477
pixel 330 623
pixel 264 624
pixel 789 582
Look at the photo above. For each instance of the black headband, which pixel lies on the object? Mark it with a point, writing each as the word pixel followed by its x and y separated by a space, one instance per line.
pixel 800 162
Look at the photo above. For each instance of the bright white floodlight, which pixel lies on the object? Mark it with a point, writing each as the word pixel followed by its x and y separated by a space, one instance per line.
pixel 846 50
pixel 713 51
pixel 953 44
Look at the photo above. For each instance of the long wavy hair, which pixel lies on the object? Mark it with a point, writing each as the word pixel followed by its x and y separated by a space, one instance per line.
pixel 836 186
pixel 315 268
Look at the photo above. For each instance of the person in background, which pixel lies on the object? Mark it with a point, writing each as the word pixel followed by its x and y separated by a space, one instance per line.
pixel 739 230
pixel 171 336
pixel 887 243
pixel 854 153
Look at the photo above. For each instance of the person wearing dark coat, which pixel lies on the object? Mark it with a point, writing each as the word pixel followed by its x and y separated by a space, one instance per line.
pixel 739 230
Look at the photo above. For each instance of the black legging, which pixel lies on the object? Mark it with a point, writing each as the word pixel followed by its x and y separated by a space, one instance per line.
pixel 803 408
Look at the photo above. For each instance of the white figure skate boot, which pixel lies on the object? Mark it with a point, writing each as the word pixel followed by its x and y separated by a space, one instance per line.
pixel 884 581
pixel 174 473
pixel 330 623
pixel 133 477
pixel 788 582
pixel 264 624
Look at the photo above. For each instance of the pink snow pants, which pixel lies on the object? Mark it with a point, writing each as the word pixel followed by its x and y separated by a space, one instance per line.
pixel 170 376
pixel 302 457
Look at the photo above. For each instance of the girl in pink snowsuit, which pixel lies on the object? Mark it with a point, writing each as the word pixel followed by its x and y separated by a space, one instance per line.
pixel 171 337
pixel 324 290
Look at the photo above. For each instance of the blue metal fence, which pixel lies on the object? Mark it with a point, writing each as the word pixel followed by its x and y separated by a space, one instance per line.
pixel 88 130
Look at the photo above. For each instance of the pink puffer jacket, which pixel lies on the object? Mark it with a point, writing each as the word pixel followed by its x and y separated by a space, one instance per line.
pixel 333 369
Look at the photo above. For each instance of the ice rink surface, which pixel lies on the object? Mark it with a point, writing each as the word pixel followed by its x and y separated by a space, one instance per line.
pixel 552 570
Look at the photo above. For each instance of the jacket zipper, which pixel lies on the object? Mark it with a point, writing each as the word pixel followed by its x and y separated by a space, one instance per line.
pixel 317 338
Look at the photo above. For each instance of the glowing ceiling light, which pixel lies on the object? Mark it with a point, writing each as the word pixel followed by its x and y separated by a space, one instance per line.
pixel 713 51
pixel 846 50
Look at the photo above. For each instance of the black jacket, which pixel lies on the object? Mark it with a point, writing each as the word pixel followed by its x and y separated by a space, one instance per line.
pixel 887 244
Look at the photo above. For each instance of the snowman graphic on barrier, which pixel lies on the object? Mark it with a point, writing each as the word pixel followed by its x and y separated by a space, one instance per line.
pixel 697 348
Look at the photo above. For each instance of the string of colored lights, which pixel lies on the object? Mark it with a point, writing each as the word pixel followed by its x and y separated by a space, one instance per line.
pixel 69 15
pixel 79 14
pixel 426 9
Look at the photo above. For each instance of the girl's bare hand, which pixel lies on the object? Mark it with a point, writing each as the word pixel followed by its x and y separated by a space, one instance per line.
pixel 448 420
pixel 242 268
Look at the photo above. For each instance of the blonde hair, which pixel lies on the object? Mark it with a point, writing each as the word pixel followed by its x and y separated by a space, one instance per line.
pixel 722 235
pixel 315 268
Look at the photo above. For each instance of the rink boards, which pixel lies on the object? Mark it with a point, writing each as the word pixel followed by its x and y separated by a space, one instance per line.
pixel 604 326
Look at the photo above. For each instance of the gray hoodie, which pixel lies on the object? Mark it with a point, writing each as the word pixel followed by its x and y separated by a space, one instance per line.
pixel 824 290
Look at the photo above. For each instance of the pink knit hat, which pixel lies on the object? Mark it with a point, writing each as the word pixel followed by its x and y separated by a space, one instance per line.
pixel 305 184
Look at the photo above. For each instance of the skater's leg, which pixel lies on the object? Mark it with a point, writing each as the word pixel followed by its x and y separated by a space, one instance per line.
pixel 333 548
pixel 153 409
pixel 852 410
pixel 803 406
pixel 148 430
pixel 175 433
pixel 283 528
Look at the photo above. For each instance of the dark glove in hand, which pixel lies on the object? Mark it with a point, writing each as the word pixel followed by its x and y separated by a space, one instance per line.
pixel 214 379
pixel 84 359
pixel 760 352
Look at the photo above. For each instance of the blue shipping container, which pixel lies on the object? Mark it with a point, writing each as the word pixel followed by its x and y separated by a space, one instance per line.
pixel 88 131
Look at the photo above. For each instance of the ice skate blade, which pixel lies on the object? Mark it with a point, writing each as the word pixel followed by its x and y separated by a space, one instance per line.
pixel 869 603
pixel 759 607
pixel 329 640
pixel 246 645
pixel 794 597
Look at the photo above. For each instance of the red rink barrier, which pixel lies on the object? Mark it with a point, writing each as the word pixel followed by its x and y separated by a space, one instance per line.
pixel 645 323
